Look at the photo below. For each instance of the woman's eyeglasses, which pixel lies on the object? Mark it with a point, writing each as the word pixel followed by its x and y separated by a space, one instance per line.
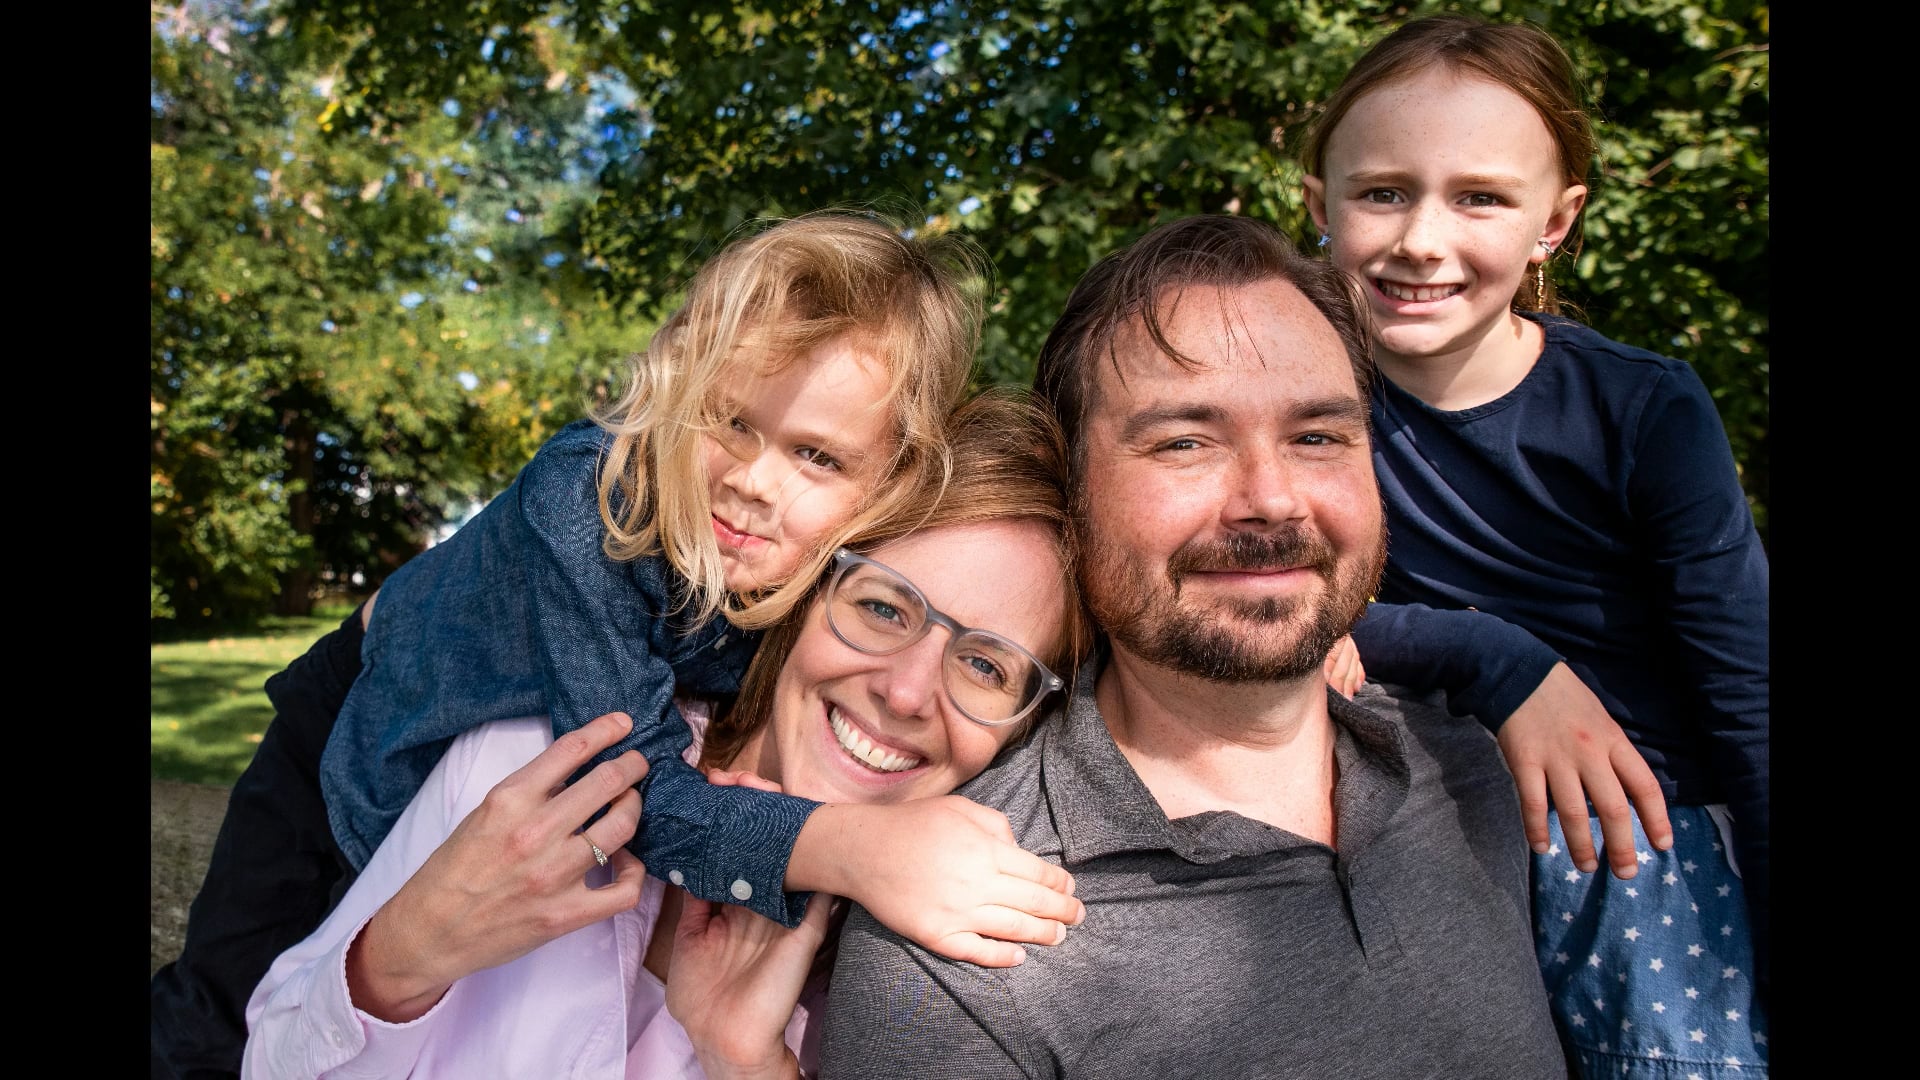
pixel 990 679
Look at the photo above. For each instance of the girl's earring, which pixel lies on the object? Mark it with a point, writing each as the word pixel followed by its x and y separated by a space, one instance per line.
pixel 1540 277
pixel 1325 239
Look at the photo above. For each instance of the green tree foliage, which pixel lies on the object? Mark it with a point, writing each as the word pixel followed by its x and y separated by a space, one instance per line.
pixel 1051 132
pixel 356 329
pixel 1054 131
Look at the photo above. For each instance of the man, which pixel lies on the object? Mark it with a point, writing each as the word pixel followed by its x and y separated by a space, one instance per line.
pixel 1279 882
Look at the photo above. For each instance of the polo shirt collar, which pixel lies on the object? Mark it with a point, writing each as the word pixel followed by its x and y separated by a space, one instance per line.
pixel 1101 807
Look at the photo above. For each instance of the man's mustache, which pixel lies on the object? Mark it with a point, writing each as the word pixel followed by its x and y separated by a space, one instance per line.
pixel 1292 547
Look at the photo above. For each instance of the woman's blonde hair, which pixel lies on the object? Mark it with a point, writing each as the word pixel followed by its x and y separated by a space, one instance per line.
pixel 1009 464
pixel 912 302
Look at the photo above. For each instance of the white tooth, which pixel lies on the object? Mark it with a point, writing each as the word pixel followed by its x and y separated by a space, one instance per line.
pixel 856 744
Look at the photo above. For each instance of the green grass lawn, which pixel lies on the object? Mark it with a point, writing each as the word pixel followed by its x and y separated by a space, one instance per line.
pixel 208 704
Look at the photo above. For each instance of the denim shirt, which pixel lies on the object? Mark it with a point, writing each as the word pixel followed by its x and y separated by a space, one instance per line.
pixel 520 613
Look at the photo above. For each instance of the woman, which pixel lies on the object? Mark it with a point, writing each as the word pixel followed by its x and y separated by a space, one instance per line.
pixel 490 935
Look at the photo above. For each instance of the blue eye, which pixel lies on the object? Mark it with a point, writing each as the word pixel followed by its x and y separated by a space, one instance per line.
pixel 985 670
pixel 881 610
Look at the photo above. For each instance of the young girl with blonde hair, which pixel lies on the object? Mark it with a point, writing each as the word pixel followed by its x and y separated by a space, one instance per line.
pixel 795 399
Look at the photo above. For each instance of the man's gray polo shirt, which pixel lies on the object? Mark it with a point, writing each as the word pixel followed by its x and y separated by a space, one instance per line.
pixel 1220 946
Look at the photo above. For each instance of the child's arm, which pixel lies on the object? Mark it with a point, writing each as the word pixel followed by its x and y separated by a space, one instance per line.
pixel 609 641
pixel 943 872
pixel 1713 578
pixel 1560 743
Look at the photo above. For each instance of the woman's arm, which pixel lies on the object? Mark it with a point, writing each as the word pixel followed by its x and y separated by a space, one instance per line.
pixel 442 900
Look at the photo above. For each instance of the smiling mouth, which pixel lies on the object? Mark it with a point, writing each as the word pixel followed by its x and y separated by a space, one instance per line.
pixel 861 749
pixel 730 536
pixel 1416 294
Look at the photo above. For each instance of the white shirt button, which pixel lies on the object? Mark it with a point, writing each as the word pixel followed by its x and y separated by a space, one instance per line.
pixel 676 877
pixel 741 890
pixel 337 1038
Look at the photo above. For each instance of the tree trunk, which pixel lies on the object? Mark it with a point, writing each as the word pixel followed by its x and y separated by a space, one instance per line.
pixel 296 591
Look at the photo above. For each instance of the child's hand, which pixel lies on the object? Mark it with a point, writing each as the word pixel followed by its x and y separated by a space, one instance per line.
pixel 1561 741
pixel 943 872
pixel 1343 668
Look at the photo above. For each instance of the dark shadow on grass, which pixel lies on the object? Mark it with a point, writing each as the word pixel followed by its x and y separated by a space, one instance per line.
pixel 211 744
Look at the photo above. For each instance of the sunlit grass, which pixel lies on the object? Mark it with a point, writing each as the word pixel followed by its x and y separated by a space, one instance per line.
pixel 208 702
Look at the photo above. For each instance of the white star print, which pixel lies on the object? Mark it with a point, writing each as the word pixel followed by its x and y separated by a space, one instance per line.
pixel 1669 878
pixel 1694 1076
pixel 1728 973
pixel 1626 1026
pixel 1716 845
pixel 1689 866
pixel 1697 1035
pixel 1759 1038
pixel 1666 920
pixel 1655 1052
pixel 1695 907
pixel 1685 824
pixel 1599 1005
pixel 1726 931
pixel 1733 1014
pixel 1659 1006
pixel 1623 978
pixel 1580 1021
pixel 1553 849
pixel 1632 934
pixel 1573 875
pixel 1692 993
pixel 1631 891
pixel 1643 857
pixel 1724 890
pixel 1657 964
pixel 1732 1062
pixel 1593 959
pixel 1559 958
pixel 1694 950
pixel 1566 916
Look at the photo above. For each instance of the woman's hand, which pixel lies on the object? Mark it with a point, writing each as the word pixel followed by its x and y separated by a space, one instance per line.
pixel 736 976
pixel 1561 744
pixel 1344 672
pixel 943 872
pixel 510 878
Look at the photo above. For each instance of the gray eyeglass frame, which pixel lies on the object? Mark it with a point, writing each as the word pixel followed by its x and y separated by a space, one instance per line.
pixel 845 560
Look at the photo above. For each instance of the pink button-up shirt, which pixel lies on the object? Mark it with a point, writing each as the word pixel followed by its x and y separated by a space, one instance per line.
pixel 579 1006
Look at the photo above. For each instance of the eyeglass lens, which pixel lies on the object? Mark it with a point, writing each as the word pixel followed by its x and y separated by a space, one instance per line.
pixel 878 611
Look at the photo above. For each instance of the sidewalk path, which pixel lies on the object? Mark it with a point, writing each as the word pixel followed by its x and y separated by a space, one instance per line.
pixel 185 818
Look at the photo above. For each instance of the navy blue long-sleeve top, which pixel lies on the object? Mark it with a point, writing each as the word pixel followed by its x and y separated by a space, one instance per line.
pixel 521 612
pixel 1596 510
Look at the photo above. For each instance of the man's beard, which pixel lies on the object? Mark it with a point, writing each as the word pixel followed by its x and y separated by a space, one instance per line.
pixel 1236 639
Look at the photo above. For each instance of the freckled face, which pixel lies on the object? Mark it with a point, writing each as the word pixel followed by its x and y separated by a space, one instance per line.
pixel 849 726
pixel 804 444
pixel 1438 189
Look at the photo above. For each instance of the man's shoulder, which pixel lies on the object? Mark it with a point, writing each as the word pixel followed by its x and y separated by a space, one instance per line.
pixel 1430 730
pixel 1015 785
